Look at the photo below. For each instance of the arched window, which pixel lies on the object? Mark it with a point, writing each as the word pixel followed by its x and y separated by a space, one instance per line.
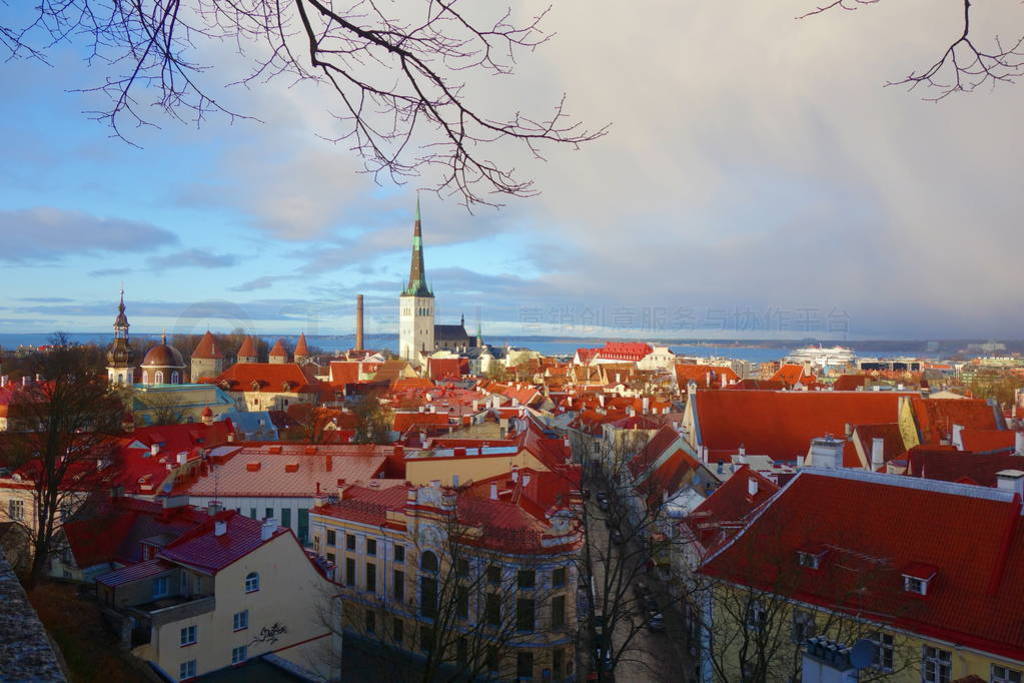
pixel 158 377
pixel 175 377
pixel 145 377
pixel 428 562
pixel 252 582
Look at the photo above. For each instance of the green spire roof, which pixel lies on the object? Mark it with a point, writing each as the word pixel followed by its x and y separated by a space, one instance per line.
pixel 417 271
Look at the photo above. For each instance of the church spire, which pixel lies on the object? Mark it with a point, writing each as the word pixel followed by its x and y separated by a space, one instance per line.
pixel 417 271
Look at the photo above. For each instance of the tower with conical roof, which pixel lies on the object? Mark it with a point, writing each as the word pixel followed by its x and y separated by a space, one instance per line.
pixel 416 303
pixel 247 351
pixel 207 359
pixel 120 370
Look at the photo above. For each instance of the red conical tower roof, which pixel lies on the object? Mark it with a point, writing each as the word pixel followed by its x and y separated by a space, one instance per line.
pixel 207 348
pixel 300 347
pixel 248 349
pixel 279 351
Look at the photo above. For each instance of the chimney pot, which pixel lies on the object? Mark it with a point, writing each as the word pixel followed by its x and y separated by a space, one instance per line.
pixel 494 492
pixel 877 453
pixel 752 486
pixel 220 527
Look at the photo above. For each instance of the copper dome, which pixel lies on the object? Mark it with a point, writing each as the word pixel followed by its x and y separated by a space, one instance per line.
pixel 163 356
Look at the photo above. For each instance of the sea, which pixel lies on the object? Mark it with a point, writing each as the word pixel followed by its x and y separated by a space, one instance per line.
pixel 549 346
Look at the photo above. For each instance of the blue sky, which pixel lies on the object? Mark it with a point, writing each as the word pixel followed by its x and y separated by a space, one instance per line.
pixel 774 188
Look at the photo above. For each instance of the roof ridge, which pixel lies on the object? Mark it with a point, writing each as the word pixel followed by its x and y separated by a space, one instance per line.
pixel 919 484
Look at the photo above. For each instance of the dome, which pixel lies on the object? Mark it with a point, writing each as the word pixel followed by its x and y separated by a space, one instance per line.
pixel 163 356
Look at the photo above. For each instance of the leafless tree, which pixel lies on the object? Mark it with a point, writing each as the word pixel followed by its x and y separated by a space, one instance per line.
pixel 397 73
pixel 963 66
pixel 63 439
pixel 373 420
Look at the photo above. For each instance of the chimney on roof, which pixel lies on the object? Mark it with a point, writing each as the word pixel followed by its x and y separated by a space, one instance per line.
pixel 827 452
pixel 3 380
pixel 455 480
pixel 182 458
pixel 1019 442
pixel 646 404
pixel 877 453
pixel 359 322
pixel 526 479
pixel 213 507
pixel 958 437
pixel 268 528
pixel 1011 480
pixel 494 492
pixel 600 400
pixel 743 450
pixel 220 527
pixel 725 381
pixel 515 472
pixel 154 450
pixel 751 486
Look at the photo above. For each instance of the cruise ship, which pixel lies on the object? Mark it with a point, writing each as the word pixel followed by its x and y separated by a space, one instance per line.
pixel 835 356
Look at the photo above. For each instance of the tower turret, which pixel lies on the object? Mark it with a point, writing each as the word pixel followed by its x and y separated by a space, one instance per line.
pixel 120 370
pixel 416 303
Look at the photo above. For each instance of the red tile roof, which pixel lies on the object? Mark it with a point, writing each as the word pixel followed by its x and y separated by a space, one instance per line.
pixel 447 368
pixel 203 549
pixel 981 440
pixel 719 515
pixel 781 424
pixel 879 525
pixel 849 382
pixel 689 372
pixel 247 349
pixel 207 348
pixel 279 350
pixel 134 572
pixel 301 349
pixel 270 377
pixel 893 447
pixel 936 416
pixel 947 464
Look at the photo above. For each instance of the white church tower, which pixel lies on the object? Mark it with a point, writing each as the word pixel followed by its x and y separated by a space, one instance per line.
pixel 416 304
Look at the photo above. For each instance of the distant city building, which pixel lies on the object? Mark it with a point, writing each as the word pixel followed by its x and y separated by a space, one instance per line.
pixel 119 359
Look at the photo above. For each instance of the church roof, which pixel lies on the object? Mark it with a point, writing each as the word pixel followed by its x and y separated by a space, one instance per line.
pixel 300 348
pixel 207 347
pixel 248 348
pixel 417 271
pixel 450 333
pixel 279 351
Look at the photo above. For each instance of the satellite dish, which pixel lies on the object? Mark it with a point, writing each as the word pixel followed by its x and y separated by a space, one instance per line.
pixel 862 654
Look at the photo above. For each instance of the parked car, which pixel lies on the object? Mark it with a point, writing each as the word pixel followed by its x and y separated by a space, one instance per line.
pixel 656 622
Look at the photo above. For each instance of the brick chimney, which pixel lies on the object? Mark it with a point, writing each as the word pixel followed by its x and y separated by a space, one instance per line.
pixel 359 322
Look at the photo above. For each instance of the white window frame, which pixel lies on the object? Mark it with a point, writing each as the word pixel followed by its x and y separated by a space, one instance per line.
pixel 240 620
pixel 187 670
pixel 914 584
pixel 1004 674
pixel 757 616
pixel 252 582
pixel 809 560
pixel 189 635
pixel 934 667
pixel 16 509
pixel 885 654
pixel 161 581
pixel 239 654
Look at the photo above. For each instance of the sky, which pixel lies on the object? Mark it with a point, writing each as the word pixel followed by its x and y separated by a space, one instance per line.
pixel 758 180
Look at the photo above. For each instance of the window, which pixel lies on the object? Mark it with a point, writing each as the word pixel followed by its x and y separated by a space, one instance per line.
pixel 371 547
pixel 757 616
pixel 350 572
pixel 189 635
pixel 558 577
pixel 526 578
pixel 241 620
pixel 239 654
pixel 912 584
pixel 350 542
pixel 808 559
pixel 558 611
pixel 371 577
pixel 399 553
pixel 428 596
pixel 1001 674
pixel 883 651
pixel 371 621
pixel 494 573
pixel 286 517
pixel 270 513
pixel 426 638
pixel 16 509
pixel 803 626
pixel 462 602
pixel 558 664
pixel 428 562
pixel 524 614
pixel 304 525
pixel 252 582
pixel 187 669
pixel 462 567
pixel 159 586
pixel 332 537
pixel 398 585
pixel 252 513
pixel 936 665
pixel 524 665
pixel 492 609
pixel 332 558
pixel 397 630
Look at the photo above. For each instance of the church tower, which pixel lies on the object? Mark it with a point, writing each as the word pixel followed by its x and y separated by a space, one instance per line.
pixel 119 358
pixel 416 304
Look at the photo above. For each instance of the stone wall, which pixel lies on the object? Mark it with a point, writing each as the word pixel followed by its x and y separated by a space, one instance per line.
pixel 26 652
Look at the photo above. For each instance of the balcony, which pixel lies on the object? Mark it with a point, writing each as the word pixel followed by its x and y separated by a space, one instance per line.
pixel 172 608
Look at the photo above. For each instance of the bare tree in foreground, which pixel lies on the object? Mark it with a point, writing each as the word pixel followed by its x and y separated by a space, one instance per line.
pixel 62 436
pixel 963 66
pixel 397 73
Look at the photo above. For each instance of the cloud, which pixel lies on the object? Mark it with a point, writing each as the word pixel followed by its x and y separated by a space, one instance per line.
pixel 43 234
pixel 192 258
pixel 104 272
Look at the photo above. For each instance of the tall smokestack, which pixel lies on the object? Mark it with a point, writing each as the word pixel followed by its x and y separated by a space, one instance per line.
pixel 359 322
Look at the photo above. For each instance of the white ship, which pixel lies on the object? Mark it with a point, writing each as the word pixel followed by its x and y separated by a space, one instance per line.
pixel 835 356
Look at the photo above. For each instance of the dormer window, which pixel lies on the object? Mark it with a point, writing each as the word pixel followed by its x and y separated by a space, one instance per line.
pixel 917 577
pixel 810 558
